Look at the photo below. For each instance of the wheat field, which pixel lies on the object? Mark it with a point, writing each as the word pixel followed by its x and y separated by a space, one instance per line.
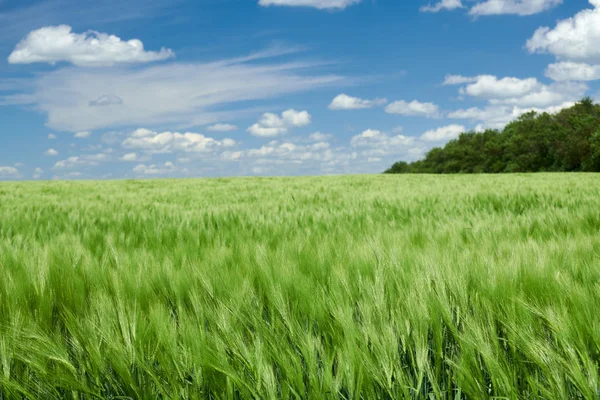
pixel 345 287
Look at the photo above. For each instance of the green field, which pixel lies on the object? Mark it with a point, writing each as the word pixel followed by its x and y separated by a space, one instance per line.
pixel 357 287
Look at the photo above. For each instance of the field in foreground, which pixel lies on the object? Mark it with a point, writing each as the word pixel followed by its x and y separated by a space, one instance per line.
pixel 306 288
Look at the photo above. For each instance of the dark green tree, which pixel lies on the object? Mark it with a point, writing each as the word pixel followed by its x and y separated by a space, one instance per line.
pixel 566 141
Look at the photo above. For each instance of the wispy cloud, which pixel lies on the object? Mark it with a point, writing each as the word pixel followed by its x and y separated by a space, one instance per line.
pixel 318 4
pixel 182 94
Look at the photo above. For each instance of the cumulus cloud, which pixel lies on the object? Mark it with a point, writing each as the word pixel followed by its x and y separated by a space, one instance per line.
pixel 516 7
pixel 80 161
pixel 509 98
pixel 37 173
pixel 296 155
pixel 498 116
pixel 51 152
pixel 319 137
pixel 573 71
pixel 164 169
pixel 443 5
pixel 414 108
pixel 177 94
pixel 9 172
pixel 375 146
pixel 169 142
pixel 106 100
pixel 547 95
pixel 293 158
pixel 82 135
pixel 574 42
pixel 443 134
pixel 129 157
pixel 369 151
pixel 319 4
pixel 288 151
pixel 271 125
pixel 51 136
pixel 489 86
pixel 222 128
pixel 376 138
pixel 52 44
pixel 345 102
pixel 527 92
pixel 574 39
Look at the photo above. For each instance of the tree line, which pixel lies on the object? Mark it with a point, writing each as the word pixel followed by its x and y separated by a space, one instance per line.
pixel 568 141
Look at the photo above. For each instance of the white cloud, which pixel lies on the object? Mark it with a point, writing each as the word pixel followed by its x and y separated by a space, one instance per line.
pixel 177 94
pixel 9 172
pixel 51 136
pixel 129 157
pixel 106 100
pixel 222 128
pixel 371 151
pixel 376 138
pixel 443 134
pixel 271 125
pixel 294 158
pixel 442 5
pixel 573 71
pixel 288 151
pixel 574 39
pixel 373 144
pixel 547 95
pixel 308 155
pixel 459 79
pixel 51 152
pixel 574 42
pixel 84 160
pixel 231 155
pixel 509 98
pixel 319 4
pixel 345 102
pixel 169 142
pixel 496 7
pixel 52 44
pixel 517 7
pixel 164 169
pixel 296 118
pixel 527 92
pixel 38 173
pixel 498 116
pixel 489 86
pixel 319 137
pixel 414 108
pixel 83 135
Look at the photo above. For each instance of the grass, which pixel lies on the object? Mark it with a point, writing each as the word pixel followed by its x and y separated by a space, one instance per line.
pixel 358 287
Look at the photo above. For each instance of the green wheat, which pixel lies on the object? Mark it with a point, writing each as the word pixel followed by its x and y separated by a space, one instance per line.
pixel 357 287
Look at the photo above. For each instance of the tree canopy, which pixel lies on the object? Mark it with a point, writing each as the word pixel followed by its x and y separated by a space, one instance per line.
pixel 568 141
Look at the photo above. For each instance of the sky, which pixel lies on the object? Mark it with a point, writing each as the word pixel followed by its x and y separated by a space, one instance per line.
pixel 211 88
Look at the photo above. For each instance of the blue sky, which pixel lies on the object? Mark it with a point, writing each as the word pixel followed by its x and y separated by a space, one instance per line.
pixel 177 88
